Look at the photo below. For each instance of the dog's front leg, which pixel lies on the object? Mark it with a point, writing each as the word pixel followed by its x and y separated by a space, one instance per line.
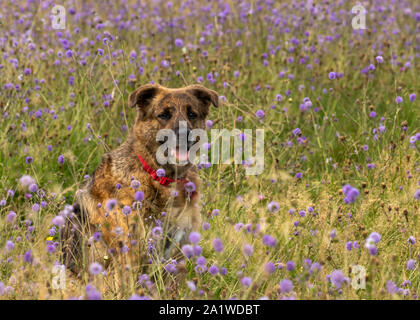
pixel 186 221
pixel 175 242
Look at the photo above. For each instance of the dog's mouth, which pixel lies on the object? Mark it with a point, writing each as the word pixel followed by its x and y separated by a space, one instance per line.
pixel 178 148
pixel 180 153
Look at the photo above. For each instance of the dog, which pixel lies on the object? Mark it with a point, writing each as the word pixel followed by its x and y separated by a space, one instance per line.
pixel 99 226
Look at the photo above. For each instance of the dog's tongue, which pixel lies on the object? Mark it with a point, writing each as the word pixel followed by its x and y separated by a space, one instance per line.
pixel 181 155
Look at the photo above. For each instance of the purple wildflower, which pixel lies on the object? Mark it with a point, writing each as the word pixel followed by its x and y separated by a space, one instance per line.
pixel 111 204
pixel 269 241
pixel 11 217
pixel 10 245
pixel 213 270
pixel 92 293
pixel 160 172
pixel 189 187
pixel 218 245
pixel 260 114
pixel 157 232
pixel 135 184
pixel 191 285
pixel 337 278
pixel 194 237
pixel 273 206
pixel 60 159
pixel 285 286
pixel 411 264
pixel 179 43
pixel 188 250
pixel 28 257
pixel 269 267
pixel 246 281
pixel 248 250
pixel 58 221
pixel 126 210
pixel 95 268
pixel 290 265
pixel 139 195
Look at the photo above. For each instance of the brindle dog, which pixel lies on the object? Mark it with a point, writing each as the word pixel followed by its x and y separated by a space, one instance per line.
pixel 157 108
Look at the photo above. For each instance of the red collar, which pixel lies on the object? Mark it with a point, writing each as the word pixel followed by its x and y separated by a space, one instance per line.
pixel 165 181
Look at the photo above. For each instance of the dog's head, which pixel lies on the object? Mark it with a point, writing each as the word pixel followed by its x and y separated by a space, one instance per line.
pixel 180 110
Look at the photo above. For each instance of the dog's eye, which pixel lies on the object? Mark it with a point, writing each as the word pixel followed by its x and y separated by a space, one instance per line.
pixel 191 115
pixel 166 115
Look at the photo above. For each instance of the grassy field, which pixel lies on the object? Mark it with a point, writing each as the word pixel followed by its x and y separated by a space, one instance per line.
pixel 339 110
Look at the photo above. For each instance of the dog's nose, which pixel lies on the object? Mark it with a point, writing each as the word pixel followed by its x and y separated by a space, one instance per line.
pixel 182 134
pixel 182 131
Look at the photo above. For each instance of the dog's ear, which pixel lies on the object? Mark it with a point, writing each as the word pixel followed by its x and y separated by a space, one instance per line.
pixel 204 95
pixel 143 96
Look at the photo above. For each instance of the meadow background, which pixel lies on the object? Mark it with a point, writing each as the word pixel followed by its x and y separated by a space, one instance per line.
pixel 341 180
